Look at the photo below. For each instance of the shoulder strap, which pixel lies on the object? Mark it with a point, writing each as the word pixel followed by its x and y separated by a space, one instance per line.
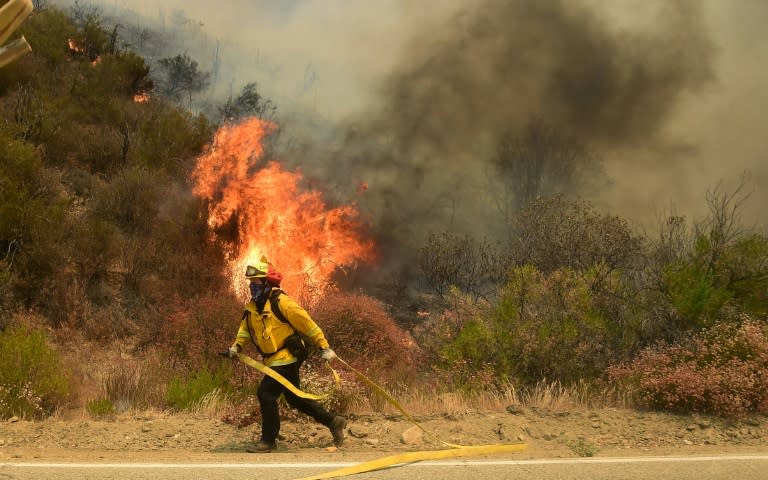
pixel 274 302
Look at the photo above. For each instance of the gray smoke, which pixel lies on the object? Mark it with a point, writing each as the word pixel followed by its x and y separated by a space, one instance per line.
pixel 426 147
pixel 412 98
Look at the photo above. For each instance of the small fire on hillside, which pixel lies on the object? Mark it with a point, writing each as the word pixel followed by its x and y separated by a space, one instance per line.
pixel 274 215
pixel 76 49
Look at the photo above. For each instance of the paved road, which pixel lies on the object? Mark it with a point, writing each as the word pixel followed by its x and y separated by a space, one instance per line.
pixel 727 467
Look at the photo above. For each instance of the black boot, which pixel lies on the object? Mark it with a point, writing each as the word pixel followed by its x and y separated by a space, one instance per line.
pixel 337 429
pixel 261 447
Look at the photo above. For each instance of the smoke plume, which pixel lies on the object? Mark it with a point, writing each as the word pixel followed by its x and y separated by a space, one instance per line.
pixel 412 99
pixel 426 148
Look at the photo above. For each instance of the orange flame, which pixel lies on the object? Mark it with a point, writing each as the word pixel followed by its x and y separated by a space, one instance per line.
pixel 305 240
pixel 73 46
pixel 77 49
pixel 141 97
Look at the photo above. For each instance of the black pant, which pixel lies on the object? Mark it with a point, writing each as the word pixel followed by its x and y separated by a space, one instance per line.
pixel 270 390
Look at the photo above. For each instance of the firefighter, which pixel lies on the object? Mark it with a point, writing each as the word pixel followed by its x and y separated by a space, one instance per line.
pixel 273 323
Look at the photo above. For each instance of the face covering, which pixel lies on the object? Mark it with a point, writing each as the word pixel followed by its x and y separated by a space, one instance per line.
pixel 259 294
pixel 257 290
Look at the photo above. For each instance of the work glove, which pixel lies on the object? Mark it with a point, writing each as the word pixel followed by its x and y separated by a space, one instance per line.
pixel 231 353
pixel 327 354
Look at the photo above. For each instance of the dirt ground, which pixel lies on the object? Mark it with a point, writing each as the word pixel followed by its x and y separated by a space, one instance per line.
pixel 162 436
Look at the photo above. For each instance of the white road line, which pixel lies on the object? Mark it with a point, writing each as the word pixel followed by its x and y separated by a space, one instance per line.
pixel 416 464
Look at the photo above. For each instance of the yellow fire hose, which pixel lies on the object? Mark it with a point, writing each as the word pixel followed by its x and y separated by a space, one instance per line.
pixel 455 451
pixel 283 381
pixel 406 458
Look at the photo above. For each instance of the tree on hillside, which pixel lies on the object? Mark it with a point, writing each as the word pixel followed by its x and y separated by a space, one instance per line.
pixel 181 78
pixel 94 208
pixel 720 265
pixel 556 232
pixel 250 103
pixel 91 38
pixel 448 260
pixel 541 161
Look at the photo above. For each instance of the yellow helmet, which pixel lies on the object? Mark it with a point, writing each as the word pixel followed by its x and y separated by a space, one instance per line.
pixel 257 270
pixel 263 269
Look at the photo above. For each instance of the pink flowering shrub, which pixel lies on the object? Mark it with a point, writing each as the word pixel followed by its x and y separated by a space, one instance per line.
pixel 722 371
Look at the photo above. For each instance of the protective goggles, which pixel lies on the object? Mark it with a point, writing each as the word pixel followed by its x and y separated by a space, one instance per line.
pixel 251 271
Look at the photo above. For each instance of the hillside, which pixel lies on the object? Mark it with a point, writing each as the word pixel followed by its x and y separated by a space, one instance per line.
pixel 127 218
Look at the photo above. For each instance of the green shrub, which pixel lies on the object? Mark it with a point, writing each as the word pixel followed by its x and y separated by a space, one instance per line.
pixel 33 381
pixel 694 294
pixel 32 221
pixel 100 407
pixel 48 31
pixel 165 134
pixel 700 286
pixel 545 326
pixel 28 195
pixel 473 343
pixel 187 393
pixel 131 201
pixel 746 264
pixel 583 449
pixel 719 264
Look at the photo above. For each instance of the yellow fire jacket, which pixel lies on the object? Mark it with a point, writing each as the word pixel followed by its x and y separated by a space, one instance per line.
pixel 268 333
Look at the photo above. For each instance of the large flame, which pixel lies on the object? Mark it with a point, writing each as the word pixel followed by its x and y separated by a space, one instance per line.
pixel 305 240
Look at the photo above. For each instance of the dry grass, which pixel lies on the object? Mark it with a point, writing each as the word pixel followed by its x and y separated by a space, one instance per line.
pixel 136 384
pixel 553 396
pixel 215 404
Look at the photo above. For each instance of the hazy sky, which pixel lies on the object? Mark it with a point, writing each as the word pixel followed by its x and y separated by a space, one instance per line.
pixel 701 117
